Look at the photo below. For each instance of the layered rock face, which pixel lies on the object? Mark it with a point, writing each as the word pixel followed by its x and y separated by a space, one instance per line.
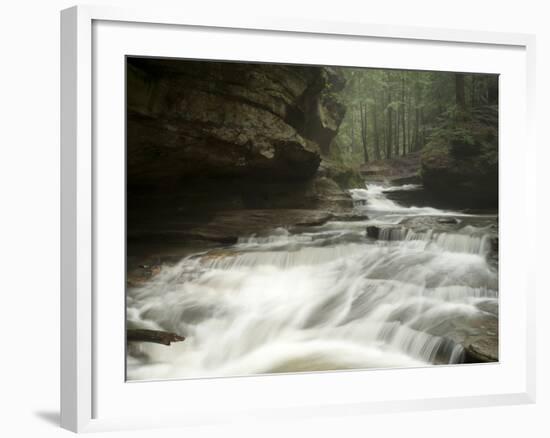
pixel 228 120
pixel 214 136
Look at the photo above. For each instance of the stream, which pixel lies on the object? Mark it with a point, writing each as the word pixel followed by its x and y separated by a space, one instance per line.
pixel 411 292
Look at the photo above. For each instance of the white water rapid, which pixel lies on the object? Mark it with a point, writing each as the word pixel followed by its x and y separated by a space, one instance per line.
pixel 324 298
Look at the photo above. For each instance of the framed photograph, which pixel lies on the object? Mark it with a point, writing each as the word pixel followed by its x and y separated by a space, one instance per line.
pixel 284 219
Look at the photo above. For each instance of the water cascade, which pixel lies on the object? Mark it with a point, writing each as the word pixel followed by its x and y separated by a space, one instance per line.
pixel 321 298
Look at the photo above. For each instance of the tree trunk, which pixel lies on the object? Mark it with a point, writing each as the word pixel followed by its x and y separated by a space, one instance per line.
pixel 403 115
pixel 376 134
pixel 389 136
pixel 416 129
pixel 397 120
pixel 423 124
pixel 363 109
pixel 416 143
pixel 492 90
pixel 389 127
pixel 460 94
pixel 352 130
pixel 409 133
pixel 473 92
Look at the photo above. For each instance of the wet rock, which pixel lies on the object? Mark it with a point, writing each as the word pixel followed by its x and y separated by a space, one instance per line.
pixel 227 226
pixel 482 344
pixel 399 170
pixel 479 211
pixel 485 225
pixel 314 220
pixel 373 231
pixel 482 350
pixel 350 217
pixel 154 336
pixel 477 335
pixel 387 233
pixel 373 170
pixel 494 245
pixel 447 220
pixel 493 255
pixel 346 177
pixel 421 197
pixel 460 161
pixel 489 306
pixel 329 196
pixel 139 275
pixel 406 179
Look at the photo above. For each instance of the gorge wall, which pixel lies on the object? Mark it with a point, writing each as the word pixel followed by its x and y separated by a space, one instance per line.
pixel 204 121
pixel 216 136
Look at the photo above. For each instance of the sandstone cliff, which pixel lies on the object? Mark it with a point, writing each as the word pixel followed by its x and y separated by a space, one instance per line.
pixel 214 136
pixel 215 119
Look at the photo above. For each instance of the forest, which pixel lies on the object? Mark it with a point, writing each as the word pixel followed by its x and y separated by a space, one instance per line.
pixel 393 113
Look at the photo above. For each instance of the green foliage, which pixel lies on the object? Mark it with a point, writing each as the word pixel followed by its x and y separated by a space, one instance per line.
pixel 458 129
pixel 345 175
pixel 462 153
pixel 406 110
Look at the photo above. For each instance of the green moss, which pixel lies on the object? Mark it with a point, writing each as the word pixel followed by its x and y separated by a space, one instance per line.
pixel 347 177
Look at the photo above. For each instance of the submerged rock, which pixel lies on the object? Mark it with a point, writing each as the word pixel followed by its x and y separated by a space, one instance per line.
pixel 387 233
pixel 478 335
pixel 477 224
pixel 350 217
pixel 447 220
pixel 373 231
pixel 482 350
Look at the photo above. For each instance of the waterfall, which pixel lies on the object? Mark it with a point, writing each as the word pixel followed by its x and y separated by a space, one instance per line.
pixel 453 242
pixel 327 298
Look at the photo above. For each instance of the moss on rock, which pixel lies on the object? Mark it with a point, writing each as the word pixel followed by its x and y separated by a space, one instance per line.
pixel 461 161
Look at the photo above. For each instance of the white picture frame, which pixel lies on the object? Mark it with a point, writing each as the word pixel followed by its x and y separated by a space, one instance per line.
pixel 90 401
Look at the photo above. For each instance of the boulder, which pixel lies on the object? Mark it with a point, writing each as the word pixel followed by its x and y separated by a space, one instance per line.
pixel 346 177
pixel 460 161
pixel 478 334
pixel 373 231
pixel 482 350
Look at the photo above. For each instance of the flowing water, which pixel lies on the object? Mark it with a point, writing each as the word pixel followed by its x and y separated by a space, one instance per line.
pixel 322 298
